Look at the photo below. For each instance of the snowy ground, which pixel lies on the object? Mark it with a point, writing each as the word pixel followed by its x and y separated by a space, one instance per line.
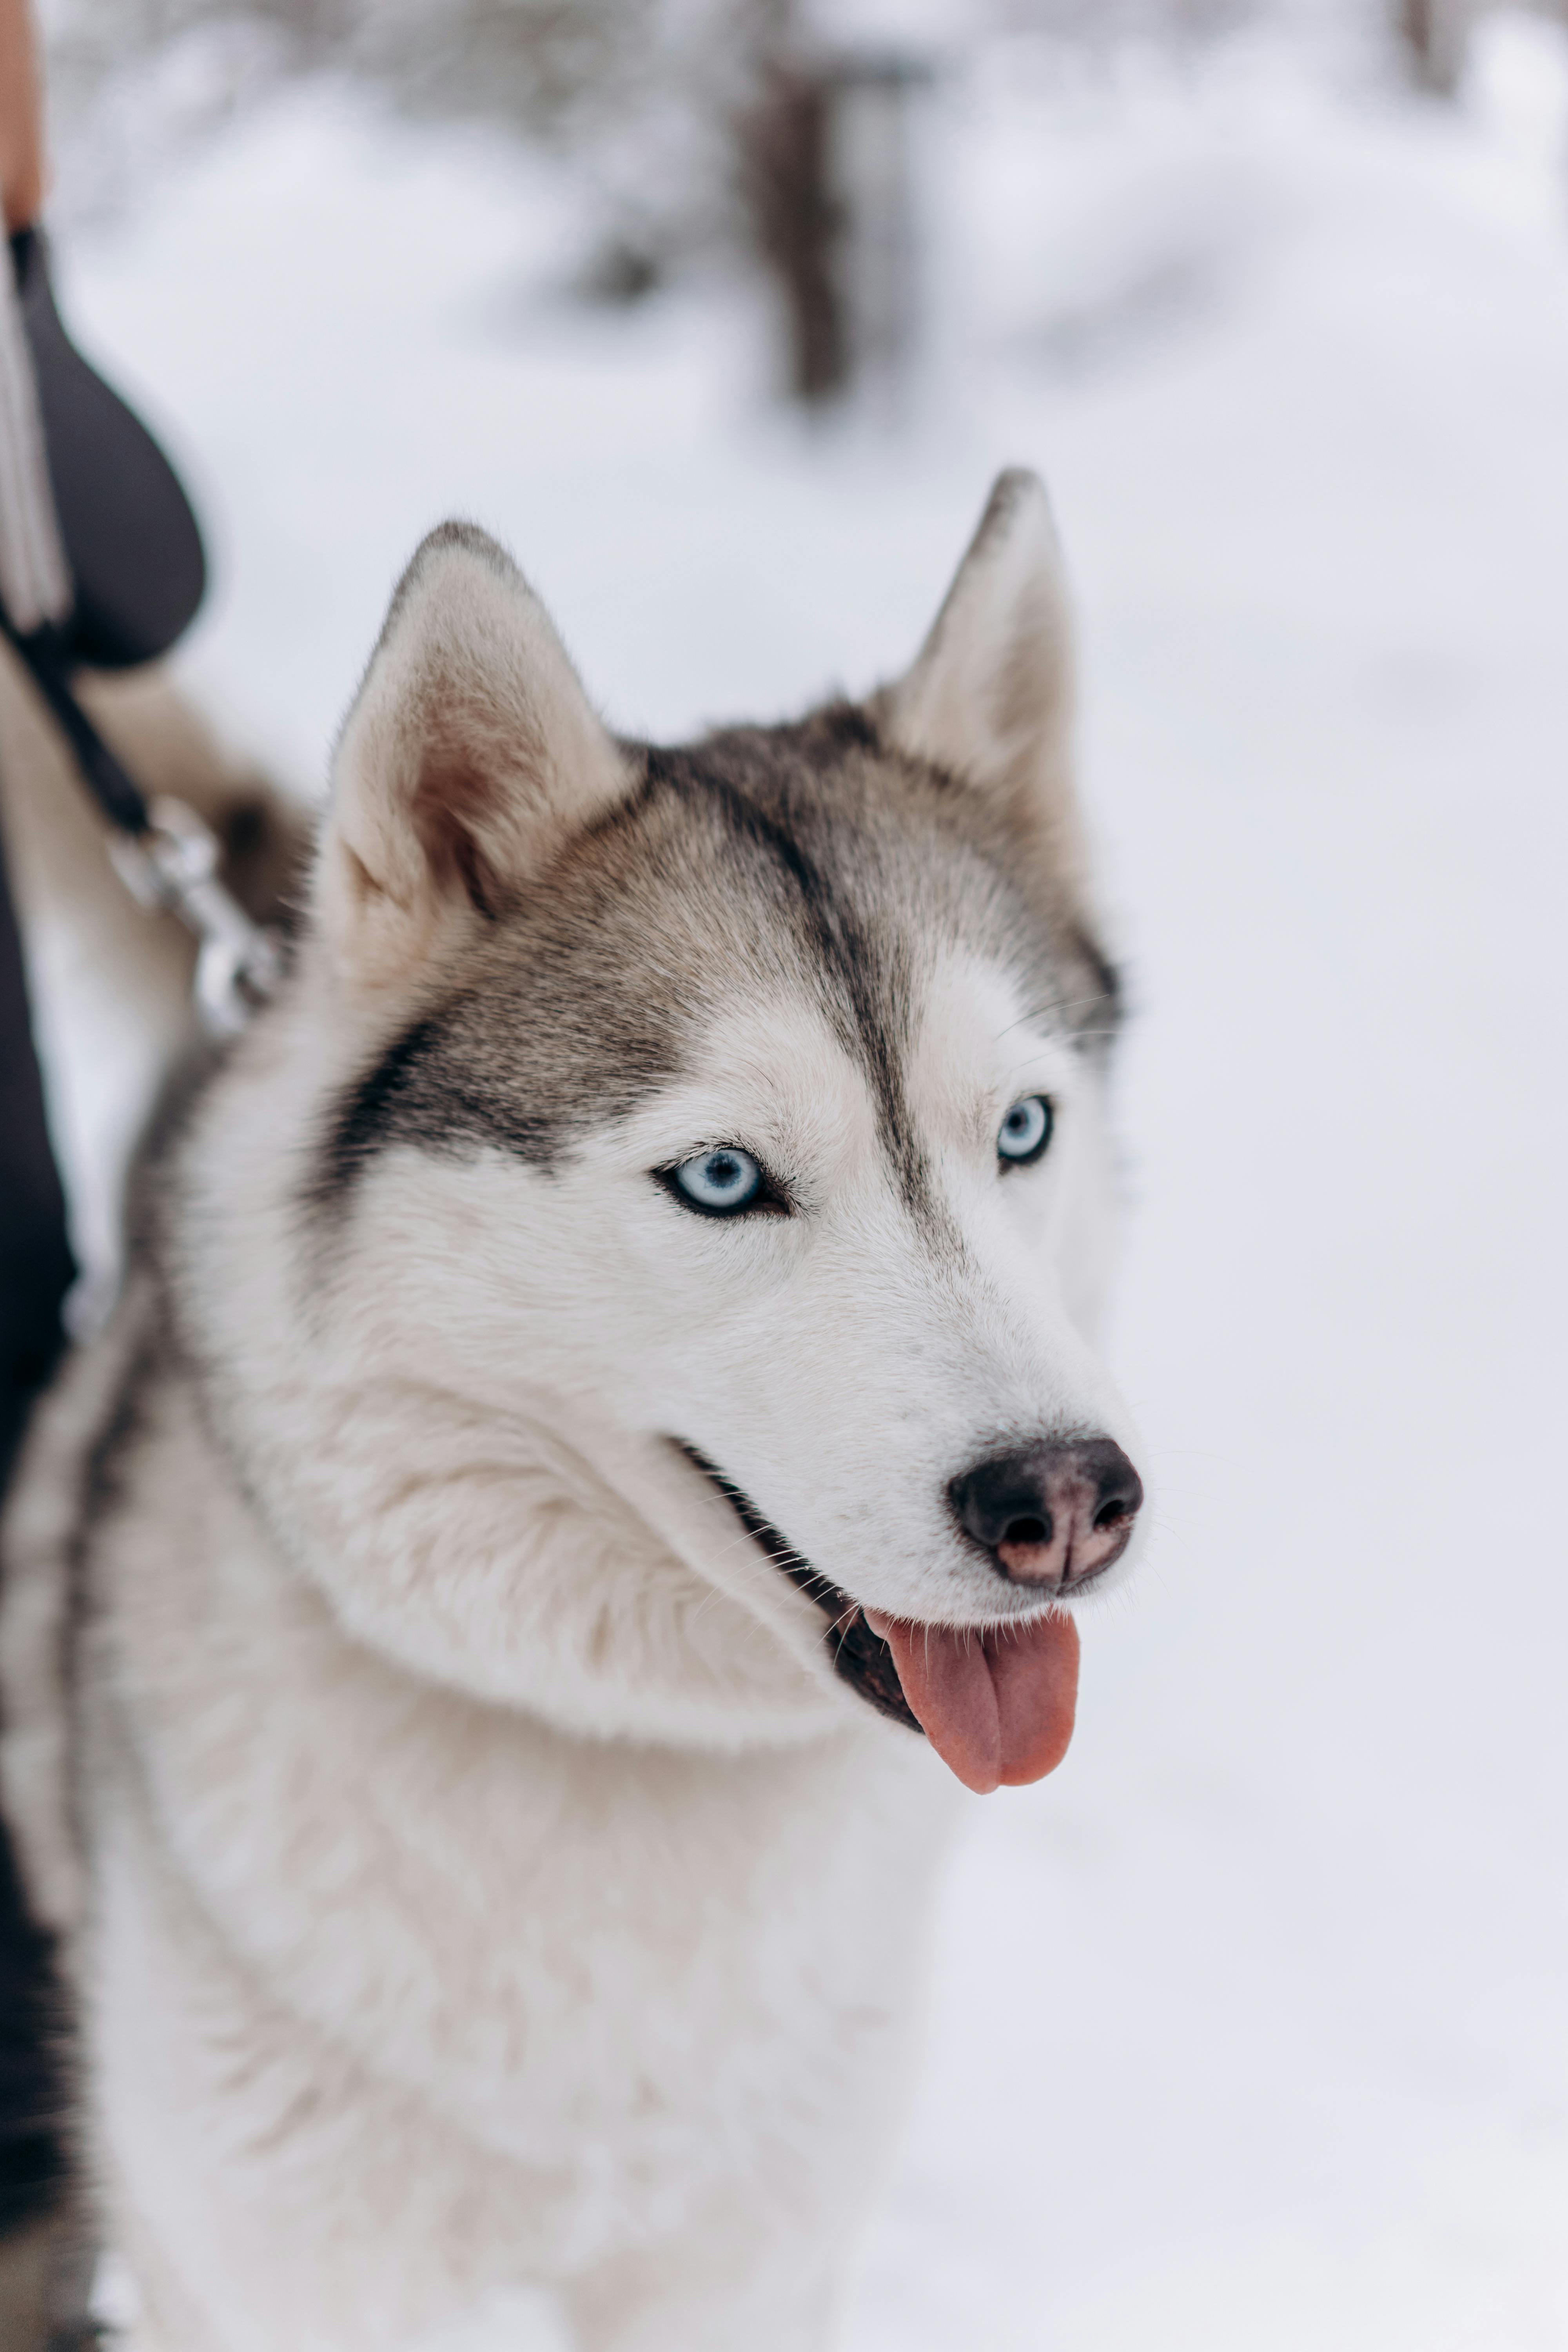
pixel 1293 353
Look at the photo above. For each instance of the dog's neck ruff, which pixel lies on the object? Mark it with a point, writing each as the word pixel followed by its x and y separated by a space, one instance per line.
pixel 862 1657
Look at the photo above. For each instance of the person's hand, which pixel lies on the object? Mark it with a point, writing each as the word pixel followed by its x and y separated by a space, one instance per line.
pixel 21 119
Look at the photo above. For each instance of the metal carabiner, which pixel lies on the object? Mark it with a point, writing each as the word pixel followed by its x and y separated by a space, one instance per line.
pixel 173 865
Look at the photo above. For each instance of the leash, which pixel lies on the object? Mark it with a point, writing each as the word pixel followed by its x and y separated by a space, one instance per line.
pixel 166 855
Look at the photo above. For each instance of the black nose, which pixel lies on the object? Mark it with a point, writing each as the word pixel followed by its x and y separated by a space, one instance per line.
pixel 1054 1514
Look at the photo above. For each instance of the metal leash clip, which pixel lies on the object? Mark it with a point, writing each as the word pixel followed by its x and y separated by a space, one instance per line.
pixel 173 865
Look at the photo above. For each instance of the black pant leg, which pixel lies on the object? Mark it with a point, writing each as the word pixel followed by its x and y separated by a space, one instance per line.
pixel 36 1271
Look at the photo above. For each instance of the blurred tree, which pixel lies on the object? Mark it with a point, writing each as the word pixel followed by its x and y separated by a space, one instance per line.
pixel 643 94
pixel 754 128
pixel 700 126
pixel 783 146
pixel 1100 23
pixel 825 167
pixel 1434 33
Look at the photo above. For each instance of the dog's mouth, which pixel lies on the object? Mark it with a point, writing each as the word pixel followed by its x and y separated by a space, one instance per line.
pixel 996 1701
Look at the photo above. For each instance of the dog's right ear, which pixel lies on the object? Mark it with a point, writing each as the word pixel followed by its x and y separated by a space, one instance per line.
pixel 989 699
pixel 470 755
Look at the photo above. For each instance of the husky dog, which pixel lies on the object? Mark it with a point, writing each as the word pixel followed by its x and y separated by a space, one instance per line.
pixel 606 1369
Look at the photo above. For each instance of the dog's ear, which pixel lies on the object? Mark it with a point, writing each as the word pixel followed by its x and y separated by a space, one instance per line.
pixel 990 699
pixel 470 755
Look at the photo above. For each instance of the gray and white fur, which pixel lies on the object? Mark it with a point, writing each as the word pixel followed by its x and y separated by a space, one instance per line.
pixel 445 1698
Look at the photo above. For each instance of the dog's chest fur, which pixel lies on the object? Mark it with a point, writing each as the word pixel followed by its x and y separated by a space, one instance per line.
pixel 621 1967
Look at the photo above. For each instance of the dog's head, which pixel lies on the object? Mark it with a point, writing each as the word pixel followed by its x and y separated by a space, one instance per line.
pixel 736 1113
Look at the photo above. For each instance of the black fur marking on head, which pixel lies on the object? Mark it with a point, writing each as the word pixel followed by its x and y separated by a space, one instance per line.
pixel 368 1115
pixel 862 1657
pixel 486 1071
pixel 423 1092
pixel 869 995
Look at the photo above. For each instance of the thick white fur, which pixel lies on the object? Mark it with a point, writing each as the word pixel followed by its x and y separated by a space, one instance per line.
pixel 491 1881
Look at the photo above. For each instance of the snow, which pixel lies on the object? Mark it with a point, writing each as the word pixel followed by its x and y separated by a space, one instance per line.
pixel 1250 2027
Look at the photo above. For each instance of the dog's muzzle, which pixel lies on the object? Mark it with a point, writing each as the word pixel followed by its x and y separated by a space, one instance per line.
pixel 861 1656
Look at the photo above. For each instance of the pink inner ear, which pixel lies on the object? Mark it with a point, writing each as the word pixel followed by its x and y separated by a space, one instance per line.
pixel 454 805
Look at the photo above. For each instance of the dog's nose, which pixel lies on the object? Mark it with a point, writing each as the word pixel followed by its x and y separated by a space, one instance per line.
pixel 1052 1514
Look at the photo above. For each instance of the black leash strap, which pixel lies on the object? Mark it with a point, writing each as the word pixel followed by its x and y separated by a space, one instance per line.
pixel 43 652
pixel 36 1272
pixel 163 853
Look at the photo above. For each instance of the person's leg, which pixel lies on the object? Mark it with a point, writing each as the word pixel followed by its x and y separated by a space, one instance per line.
pixel 41 2247
pixel 121 583
pixel 36 1268
pixel 36 1271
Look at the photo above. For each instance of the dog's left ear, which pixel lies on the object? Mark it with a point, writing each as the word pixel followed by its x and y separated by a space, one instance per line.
pixel 990 699
pixel 469 758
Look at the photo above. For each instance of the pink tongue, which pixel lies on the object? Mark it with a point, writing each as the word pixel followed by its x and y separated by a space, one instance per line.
pixel 997 1706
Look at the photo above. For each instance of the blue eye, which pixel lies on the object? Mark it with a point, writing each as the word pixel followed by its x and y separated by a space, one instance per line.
pixel 1025 1132
pixel 717 1183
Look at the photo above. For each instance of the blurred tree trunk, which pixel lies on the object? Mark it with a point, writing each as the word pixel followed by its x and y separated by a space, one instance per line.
pixel 826 156
pixel 1435 33
pixel 786 164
